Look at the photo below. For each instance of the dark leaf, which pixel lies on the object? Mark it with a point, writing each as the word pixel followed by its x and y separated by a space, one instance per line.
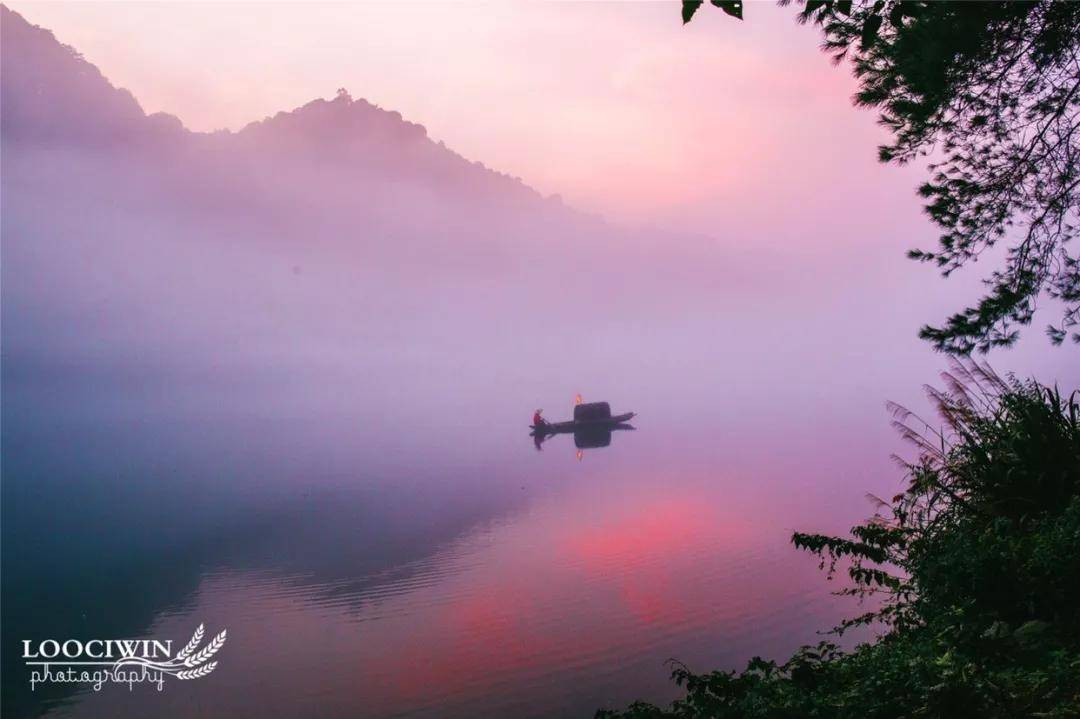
pixel 731 7
pixel 896 15
pixel 689 7
pixel 870 30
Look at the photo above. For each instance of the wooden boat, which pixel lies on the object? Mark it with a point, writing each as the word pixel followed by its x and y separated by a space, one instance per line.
pixel 579 425
pixel 592 416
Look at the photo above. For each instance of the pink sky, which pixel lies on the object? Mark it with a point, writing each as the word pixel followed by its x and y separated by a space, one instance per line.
pixel 616 106
pixel 742 133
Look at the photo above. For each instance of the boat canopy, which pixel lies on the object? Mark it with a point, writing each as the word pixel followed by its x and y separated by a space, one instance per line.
pixel 592 412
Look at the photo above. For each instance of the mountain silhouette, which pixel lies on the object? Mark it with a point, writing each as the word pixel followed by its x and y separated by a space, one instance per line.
pixel 332 229
pixel 52 96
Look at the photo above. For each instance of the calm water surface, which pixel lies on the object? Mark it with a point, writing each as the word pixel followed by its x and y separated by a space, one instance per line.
pixel 412 558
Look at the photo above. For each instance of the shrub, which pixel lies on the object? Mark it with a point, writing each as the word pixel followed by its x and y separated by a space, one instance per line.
pixel 975 566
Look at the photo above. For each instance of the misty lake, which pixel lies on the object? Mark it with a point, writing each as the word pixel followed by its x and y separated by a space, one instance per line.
pixel 378 553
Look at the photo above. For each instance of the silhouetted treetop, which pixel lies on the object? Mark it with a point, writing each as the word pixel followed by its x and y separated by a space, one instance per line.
pixel 989 90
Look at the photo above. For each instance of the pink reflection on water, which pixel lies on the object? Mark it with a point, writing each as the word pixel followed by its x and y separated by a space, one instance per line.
pixel 575 601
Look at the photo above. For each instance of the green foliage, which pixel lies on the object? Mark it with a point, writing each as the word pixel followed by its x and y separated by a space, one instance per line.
pixel 975 569
pixel 992 91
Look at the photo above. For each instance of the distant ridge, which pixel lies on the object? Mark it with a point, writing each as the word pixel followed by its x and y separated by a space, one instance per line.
pixel 371 138
pixel 51 95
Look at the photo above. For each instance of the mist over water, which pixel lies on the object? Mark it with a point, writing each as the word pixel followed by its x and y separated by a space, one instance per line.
pixel 279 381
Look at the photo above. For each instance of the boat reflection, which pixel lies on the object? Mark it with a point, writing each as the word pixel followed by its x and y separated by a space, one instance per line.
pixel 584 437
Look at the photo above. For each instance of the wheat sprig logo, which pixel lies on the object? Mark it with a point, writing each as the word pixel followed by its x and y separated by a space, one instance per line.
pixel 188 663
pixel 206 652
pixel 196 673
pixel 196 640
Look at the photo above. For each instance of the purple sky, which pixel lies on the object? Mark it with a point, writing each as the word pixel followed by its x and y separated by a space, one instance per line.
pixel 616 106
